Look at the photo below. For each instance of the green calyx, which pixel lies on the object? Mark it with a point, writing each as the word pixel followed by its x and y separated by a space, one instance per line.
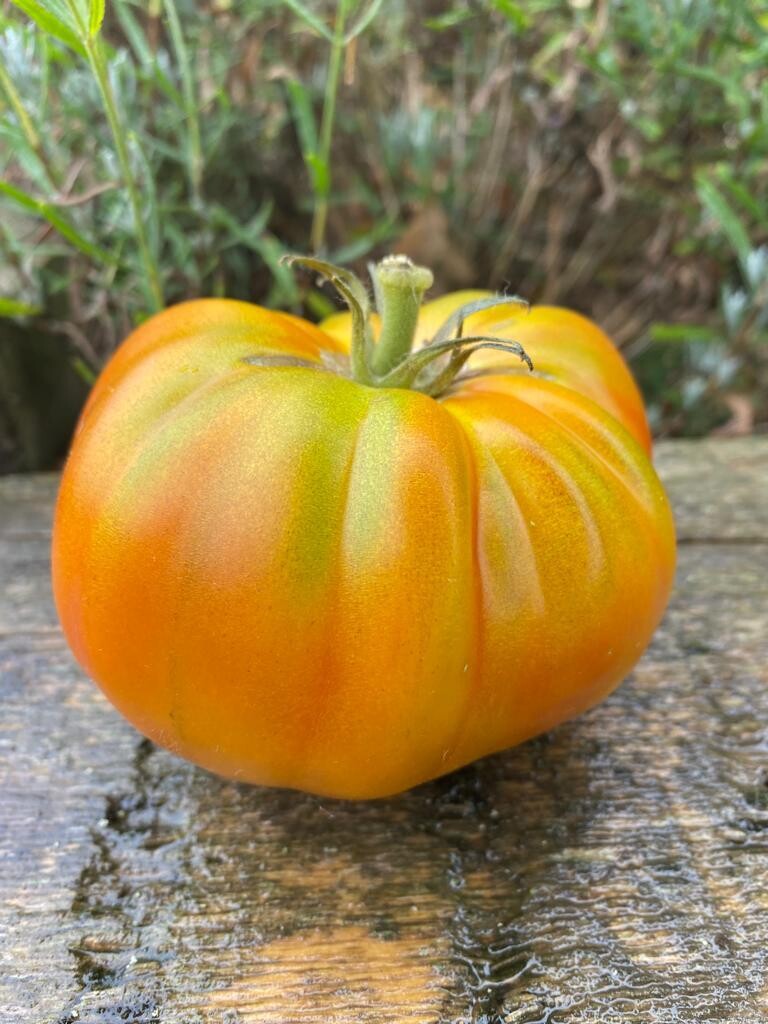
pixel 391 361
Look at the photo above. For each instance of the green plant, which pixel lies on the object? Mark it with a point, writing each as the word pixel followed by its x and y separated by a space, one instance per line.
pixel 728 357
pixel 96 156
pixel 316 144
pixel 592 161
pixel 77 25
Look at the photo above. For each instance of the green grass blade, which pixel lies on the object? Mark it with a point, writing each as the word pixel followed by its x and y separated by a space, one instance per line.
pixel 12 307
pixel 242 234
pixel 683 332
pixel 321 173
pixel 718 207
pixel 152 218
pixel 84 371
pixel 144 54
pixel 25 121
pixel 310 18
pixel 303 116
pixel 304 119
pixel 743 196
pixel 363 21
pixel 55 219
pixel 513 12
pixel 28 161
pixel 285 291
pixel 191 107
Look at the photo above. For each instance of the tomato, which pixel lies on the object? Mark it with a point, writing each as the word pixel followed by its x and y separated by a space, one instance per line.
pixel 294 577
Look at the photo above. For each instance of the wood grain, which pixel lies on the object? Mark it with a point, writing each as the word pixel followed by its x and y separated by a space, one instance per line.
pixel 613 871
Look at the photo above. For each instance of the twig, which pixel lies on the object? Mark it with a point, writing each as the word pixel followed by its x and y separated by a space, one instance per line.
pixel 76 335
pixel 333 78
pixel 87 196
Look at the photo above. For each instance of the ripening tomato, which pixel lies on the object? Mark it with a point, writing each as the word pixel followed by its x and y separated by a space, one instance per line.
pixel 307 558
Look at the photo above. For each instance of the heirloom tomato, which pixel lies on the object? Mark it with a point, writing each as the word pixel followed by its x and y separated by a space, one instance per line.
pixel 353 557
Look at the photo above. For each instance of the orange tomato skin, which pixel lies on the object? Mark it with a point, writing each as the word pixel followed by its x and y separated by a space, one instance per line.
pixel 296 580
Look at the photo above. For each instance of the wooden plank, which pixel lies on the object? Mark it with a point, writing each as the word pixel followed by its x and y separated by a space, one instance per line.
pixel 719 489
pixel 615 870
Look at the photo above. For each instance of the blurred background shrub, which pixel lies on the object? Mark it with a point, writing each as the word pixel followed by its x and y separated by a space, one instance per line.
pixel 608 155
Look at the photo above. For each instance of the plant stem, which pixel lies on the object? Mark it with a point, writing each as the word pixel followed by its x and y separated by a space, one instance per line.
pixel 333 77
pixel 98 63
pixel 190 102
pixel 26 124
pixel 7 248
pixel 400 287
pixel 355 295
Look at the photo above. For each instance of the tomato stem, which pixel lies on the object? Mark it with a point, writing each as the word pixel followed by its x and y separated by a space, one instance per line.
pixel 399 286
pixel 409 374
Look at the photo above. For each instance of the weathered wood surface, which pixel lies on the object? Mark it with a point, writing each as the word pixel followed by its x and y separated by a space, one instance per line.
pixel 614 871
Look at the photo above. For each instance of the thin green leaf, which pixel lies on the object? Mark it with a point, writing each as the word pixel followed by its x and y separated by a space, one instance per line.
pixel 285 291
pixel 152 219
pixel 513 12
pixel 179 249
pixel 242 234
pixel 27 159
pixel 303 116
pixel 84 371
pixel 304 119
pixel 450 19
pixel 310 18
pixel 552 48
pixel 96 9
pixel 25 121
pixel 702 73
pixel 12 307
pixel 743 196
pixel 363 21
pixel 718 207
pixel 683 332
pixel 144 54
pixel 192 121
pixel 55 219
pixel 159 147
pixel 361 245
pixel 319 305
pixel 321 173
pixel 52 24
pixel 48 49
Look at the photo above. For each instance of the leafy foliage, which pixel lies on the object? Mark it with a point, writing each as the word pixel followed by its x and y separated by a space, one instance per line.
pixel 611 157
